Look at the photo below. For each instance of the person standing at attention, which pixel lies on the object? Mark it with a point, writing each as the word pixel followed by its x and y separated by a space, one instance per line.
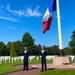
pixel 26 55
pixel 43 59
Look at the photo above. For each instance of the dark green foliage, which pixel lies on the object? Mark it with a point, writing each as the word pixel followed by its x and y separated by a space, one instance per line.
pixel 8 46
pixel 67 51
pixel 13 50
pixel 18 48
pixel 3 50
pixel 28 41
pixel 53 50
pixel 72 43
pixel 37 49
pixel 48 50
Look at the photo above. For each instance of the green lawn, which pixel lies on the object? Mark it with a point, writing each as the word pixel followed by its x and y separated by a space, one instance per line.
pixel 9 66
pixel 58 72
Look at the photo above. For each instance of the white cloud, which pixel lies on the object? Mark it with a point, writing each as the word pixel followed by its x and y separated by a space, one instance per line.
pixel 11 27
pixel 5 16
pixel 15 12
pixel 8 18
pixel 28 12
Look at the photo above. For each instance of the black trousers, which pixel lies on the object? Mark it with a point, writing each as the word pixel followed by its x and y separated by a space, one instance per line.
pixel 44 67
pixel 25 65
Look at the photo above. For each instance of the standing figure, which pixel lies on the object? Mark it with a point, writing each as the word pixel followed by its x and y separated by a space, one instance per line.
pixel 26 55
pixel 43 59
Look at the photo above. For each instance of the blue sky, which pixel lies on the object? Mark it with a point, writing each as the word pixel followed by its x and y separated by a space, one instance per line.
pixel 20 16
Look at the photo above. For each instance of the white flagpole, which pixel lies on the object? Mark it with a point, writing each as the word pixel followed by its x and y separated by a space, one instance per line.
pixel 59 25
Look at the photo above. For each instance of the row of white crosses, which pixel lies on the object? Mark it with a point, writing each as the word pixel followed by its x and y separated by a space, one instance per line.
pixel 4 59
pixel 8 58
pixel 49 57
pixel 0 60
pixel 14 59
pixel 31 58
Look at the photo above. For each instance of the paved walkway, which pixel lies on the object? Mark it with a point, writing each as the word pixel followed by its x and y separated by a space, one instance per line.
pixel 31 71
pixel 35 69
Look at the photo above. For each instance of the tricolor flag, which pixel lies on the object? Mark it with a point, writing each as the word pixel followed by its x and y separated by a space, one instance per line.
pixel 48 16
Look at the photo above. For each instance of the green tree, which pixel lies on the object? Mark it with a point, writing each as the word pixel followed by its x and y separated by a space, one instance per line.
pixel 13 50
pixel 36 50
pixel 28 41
pixel 67 51
pixel 72 43
pixel 54 50
pixel 3 50
pixel 8 46
pixel 48 50
pixel 18 48
pixel 39 49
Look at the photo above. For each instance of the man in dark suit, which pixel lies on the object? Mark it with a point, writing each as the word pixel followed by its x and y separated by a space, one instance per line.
pixel 43 59
pixel 26 55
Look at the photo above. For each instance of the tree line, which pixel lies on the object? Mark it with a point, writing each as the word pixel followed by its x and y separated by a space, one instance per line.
pixel 16 48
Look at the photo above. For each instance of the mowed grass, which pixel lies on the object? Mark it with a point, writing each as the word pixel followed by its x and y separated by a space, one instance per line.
pixel 58 72
pixel 9 66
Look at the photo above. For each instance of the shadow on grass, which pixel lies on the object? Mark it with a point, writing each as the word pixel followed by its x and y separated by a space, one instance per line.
pixel 51 69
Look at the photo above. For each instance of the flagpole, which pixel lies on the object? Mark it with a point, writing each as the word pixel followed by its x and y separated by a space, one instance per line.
pixel 59 25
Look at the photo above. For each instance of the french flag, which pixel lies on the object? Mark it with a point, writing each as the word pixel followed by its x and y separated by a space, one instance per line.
pixel 48 16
